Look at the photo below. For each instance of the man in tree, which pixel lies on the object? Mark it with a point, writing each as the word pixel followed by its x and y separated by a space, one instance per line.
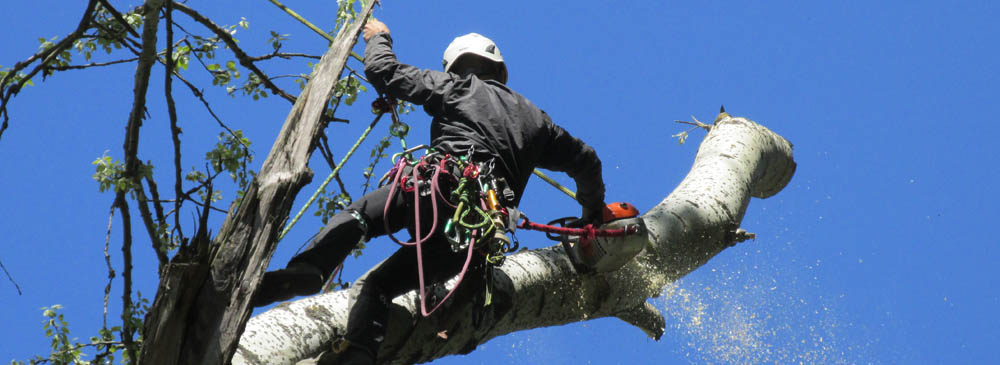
pixel 475 115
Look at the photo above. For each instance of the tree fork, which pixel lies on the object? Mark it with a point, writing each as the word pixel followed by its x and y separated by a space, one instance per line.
pixel 203 302
pixel 538 288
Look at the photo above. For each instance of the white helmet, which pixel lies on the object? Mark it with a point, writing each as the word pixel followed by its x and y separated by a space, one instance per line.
pixel 476 44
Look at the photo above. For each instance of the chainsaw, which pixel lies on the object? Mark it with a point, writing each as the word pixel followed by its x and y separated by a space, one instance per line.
pixel 614 243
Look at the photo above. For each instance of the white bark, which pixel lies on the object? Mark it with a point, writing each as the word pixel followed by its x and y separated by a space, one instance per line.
pixel 737 159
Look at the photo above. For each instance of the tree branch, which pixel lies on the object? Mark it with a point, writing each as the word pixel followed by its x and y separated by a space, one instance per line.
pixel 89 65
pixel 132 164
pixel 107 260
pixel 46 55
pixel 244 59
pixel 127 330
pixel 175 131
pixel 283 55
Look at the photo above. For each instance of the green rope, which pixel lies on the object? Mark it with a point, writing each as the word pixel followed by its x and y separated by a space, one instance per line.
pixel 309 25
pixel 328 178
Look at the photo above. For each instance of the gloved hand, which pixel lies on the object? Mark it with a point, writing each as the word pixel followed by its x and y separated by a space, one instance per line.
pixel 590 215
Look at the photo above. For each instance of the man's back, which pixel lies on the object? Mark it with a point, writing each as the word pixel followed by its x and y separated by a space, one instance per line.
pixel 488 118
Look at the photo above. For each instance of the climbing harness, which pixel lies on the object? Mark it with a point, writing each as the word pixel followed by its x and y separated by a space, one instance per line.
pixel 479 222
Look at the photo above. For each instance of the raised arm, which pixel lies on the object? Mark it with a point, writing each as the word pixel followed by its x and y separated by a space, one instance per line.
pixel 398 80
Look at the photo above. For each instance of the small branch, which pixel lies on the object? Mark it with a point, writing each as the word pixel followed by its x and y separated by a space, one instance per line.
pixel 80 346
pixel 325 150
pixel 201 96
pixel 153 191
pixel 89 65
pixel 696 123
pixel 107 260
pixel 203 221
pixel 356 74
pixel 283 55
pixel 127 42
pixel 300 76
pixel 212 207
pixel 340 183
pixel 10 278
pixel 231 43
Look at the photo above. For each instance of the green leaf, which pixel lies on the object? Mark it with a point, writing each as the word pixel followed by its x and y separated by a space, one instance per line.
pixel 232 66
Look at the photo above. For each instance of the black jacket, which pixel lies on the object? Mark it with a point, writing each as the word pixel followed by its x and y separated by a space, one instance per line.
pixel 490 118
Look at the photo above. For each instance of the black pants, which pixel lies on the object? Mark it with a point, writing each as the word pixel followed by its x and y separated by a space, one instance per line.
pixel 398 274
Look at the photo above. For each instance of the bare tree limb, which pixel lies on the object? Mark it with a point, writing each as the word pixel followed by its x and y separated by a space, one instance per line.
pixel 244 59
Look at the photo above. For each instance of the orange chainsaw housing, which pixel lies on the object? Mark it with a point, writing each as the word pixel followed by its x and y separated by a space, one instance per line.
pixel 619 210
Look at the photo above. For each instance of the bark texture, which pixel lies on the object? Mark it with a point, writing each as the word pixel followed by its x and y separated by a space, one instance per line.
pixel 737 159
pixel 203 302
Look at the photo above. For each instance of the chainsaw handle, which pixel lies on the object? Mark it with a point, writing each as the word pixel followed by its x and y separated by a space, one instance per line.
pixel 560 222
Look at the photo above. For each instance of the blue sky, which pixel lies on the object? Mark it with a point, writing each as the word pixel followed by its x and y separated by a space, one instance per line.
pixel 882 249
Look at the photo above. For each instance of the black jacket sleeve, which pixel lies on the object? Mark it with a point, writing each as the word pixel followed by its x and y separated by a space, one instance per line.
pixel 402 81
pixel 578 160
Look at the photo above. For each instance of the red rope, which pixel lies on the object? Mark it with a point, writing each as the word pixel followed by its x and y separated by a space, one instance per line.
pixel 587 231
pixel 397 181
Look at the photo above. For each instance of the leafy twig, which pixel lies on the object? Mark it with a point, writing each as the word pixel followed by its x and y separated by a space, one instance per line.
pixel 237 51
pixel 118 16
pixel 46 55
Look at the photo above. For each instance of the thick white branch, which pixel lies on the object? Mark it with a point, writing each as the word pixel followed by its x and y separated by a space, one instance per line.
pixel 738 159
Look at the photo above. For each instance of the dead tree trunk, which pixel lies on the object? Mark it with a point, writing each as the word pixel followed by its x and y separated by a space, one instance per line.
pixel 738 159
pixel 202 304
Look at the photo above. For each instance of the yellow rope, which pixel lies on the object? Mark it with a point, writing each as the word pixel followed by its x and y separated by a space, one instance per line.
pixel 555 184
